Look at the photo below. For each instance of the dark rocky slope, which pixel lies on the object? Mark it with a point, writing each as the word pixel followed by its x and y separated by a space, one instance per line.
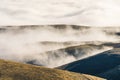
pixel 104 65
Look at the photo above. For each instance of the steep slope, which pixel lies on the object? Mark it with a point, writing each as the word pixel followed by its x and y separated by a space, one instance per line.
pixel 17 71
pixel 113 74
pixel 101 65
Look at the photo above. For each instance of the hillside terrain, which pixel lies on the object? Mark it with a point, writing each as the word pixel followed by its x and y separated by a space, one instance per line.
pixel 17 71
pixel 105 65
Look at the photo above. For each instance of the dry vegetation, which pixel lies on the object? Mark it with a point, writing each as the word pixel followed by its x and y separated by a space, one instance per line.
pixel 17 71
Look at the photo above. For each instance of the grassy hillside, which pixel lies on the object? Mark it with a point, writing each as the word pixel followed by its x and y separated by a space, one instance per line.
pixel 17 71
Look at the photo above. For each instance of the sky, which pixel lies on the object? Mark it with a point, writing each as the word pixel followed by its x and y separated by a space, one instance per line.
pixel 78 12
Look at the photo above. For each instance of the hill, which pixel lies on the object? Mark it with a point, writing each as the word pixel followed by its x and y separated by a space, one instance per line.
pixel 18 71
pixel 113 74
pixel 104 65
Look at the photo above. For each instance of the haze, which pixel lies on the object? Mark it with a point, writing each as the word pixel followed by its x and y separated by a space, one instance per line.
pixel 82 12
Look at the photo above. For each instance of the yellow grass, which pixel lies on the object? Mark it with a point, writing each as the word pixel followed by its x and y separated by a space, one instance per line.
pixel 18 71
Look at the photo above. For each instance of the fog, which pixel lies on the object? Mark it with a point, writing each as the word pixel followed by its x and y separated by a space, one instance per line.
pixel 28 44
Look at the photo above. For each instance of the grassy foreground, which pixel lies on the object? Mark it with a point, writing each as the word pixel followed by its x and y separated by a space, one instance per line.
pixel 18 71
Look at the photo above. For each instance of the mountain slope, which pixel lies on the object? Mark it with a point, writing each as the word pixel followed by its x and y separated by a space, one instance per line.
pixel 17 71
pixel 105 65
pixel 113 74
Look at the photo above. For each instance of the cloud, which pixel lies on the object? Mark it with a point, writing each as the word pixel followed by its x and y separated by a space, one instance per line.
pixel 82 12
